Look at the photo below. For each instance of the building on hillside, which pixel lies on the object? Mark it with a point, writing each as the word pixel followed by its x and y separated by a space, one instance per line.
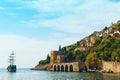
pixel 97 34
pixel 92 40
pixel 116 31
pixel 83 43
pixel 106 32
pixel 118 21
pixel 81 48
pixel 110 30
pixel 111 33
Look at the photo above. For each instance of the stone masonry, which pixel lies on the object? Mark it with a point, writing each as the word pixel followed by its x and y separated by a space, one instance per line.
pixel 111 66
pixel 58 63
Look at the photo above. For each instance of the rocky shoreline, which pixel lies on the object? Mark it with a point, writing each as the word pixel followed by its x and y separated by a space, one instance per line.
pixel 46 67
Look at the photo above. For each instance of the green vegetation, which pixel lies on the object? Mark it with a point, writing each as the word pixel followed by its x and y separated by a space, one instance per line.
pixel 108 50
pixel 92 62
pixel 116 26
pixel 46 61
pixel 106 47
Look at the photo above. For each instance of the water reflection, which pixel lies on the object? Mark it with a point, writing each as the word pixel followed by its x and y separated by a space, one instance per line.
pixel 82 76
pixel 26 74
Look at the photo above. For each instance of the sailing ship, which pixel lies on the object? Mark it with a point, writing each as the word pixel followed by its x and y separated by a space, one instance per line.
pixel 11 67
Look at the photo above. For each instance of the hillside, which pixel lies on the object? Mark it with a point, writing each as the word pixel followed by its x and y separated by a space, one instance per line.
pixel 105 43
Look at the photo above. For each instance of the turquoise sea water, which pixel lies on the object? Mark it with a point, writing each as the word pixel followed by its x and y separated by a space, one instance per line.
pixel 27 74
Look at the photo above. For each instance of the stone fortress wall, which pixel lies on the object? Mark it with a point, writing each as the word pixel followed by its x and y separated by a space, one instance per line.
pixel 111 66
pixel 68 67
pixel 59 63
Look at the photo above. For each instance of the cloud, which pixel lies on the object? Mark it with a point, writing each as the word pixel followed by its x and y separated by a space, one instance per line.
pixel 115 0
pixel 12 14
pixel 75 16
pixel 52 6
pixel 2 8
pixel 68 24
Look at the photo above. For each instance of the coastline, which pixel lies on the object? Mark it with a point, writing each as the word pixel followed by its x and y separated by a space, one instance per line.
pixel 47 67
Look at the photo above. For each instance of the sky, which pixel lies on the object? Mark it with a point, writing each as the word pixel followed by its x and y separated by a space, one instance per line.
pixel 33 28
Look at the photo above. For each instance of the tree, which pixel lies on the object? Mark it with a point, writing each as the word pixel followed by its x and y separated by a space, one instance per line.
pixel 116 55
pixel 92 62
pixel 103 56
pixel 78 43
pixel 60 48
pixel 48 57
pixel 69 56
pixel 98 41
pixel 105 28
pixel 79 55
pixel 46 61
pixel 116 34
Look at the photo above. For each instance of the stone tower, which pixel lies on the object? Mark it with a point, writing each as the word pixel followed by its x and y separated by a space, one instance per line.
pixel 53 56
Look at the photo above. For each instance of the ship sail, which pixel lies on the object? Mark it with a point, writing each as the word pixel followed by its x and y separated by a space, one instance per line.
pixel 11 67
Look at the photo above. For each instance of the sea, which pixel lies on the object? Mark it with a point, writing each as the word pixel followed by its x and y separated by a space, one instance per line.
pixel 27 74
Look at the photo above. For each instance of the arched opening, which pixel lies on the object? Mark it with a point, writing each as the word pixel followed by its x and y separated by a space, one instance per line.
pixel 66 68
pixel 58 68
pixel 54 67
pixel 71 68
pixel 62 68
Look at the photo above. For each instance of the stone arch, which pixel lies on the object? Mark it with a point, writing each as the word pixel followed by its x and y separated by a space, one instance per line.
pixel 55 68
pixel 62 68
pixel 66 68
pixel 58 68
pixel 71 68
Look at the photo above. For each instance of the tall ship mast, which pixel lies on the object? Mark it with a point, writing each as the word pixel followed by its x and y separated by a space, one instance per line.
pixel 11 67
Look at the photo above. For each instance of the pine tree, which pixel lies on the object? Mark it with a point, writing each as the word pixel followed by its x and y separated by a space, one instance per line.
pixel 60 48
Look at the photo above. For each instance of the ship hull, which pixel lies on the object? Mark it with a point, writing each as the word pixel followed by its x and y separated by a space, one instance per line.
pixel 11 68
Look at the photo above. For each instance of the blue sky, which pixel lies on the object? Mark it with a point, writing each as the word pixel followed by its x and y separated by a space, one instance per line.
pixel 32 28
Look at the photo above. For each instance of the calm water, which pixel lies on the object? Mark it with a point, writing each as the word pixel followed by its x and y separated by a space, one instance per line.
pixel 26 74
